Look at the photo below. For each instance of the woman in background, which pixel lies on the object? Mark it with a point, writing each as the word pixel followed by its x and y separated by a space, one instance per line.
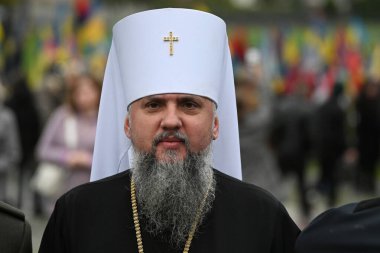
pixel 68 138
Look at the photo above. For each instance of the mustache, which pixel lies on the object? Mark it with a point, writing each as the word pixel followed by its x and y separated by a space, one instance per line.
pixel 173 134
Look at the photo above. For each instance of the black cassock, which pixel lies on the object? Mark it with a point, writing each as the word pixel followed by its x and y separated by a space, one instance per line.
pixel 97 217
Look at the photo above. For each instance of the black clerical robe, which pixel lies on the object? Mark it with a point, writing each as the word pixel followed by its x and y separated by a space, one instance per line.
pixel 97 217
pixel 352 228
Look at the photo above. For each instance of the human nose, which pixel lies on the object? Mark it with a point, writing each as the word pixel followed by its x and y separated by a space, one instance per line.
pixel 171 119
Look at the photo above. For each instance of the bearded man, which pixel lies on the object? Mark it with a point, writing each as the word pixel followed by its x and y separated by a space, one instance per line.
pixel 174 98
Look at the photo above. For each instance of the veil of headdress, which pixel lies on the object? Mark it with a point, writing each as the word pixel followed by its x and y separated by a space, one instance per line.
pixel 140 63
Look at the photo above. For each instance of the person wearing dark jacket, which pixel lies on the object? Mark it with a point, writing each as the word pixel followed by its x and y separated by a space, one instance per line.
pixel 368 110
pixel 330 142
pixel 352 228
pixel 15 232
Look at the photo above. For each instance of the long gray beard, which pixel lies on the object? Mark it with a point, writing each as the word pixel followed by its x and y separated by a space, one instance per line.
pixel 170 193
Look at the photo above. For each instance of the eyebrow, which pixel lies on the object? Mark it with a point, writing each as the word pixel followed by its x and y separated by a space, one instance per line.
pixel 197 99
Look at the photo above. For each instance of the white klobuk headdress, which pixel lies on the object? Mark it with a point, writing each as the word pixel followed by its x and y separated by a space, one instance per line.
pixel 166 51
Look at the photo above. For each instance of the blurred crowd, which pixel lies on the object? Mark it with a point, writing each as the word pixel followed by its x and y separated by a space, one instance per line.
pixel 287 132
pixel 50 81
pixel 52 125
pixel 309 103
pixel 308 97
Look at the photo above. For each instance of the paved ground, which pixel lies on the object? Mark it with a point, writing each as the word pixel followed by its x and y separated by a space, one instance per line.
pixel 346 194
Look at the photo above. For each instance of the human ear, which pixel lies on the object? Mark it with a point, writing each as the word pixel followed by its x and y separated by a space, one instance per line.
pixel 215 128
pixel 127 127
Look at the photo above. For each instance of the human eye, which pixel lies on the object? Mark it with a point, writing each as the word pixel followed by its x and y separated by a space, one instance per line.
pixel 190 105
pixel 152 105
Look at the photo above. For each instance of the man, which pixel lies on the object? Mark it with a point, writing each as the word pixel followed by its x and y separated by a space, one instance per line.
pixel 352 228
pixel 179 97
pixel 15 232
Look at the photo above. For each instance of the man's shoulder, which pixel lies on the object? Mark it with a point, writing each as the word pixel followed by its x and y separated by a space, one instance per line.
pixel 11 212
pixel 251 207
pixel 15 231
pixel 105 186
pixel 350 212
pixel 355 226
pixel 368 205
pixel 242 191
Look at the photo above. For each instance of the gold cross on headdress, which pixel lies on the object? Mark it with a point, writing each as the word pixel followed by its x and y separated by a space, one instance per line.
pixel 171 39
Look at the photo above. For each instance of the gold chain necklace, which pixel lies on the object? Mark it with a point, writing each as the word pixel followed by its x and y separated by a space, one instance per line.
pixel 137 223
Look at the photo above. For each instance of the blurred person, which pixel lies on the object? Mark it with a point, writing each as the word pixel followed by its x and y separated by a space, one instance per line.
pixel 69 136
pixel 368 134
pixel 15 231
pixel 51 94
pixel 22 102
pixel 255 114
pixel 174 104
pixel 10 151
pixel 291 139
pixel 351 228
pixel 330 141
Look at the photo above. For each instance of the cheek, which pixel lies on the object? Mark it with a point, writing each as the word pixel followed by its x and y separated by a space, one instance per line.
pixel 200 135
pixel 142 133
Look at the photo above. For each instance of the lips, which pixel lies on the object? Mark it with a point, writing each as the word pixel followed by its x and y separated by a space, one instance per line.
pixel 171 143
pixel 170 140
pixel 174 139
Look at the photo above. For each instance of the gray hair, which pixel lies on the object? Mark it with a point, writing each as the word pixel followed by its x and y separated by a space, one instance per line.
pixel 170 193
